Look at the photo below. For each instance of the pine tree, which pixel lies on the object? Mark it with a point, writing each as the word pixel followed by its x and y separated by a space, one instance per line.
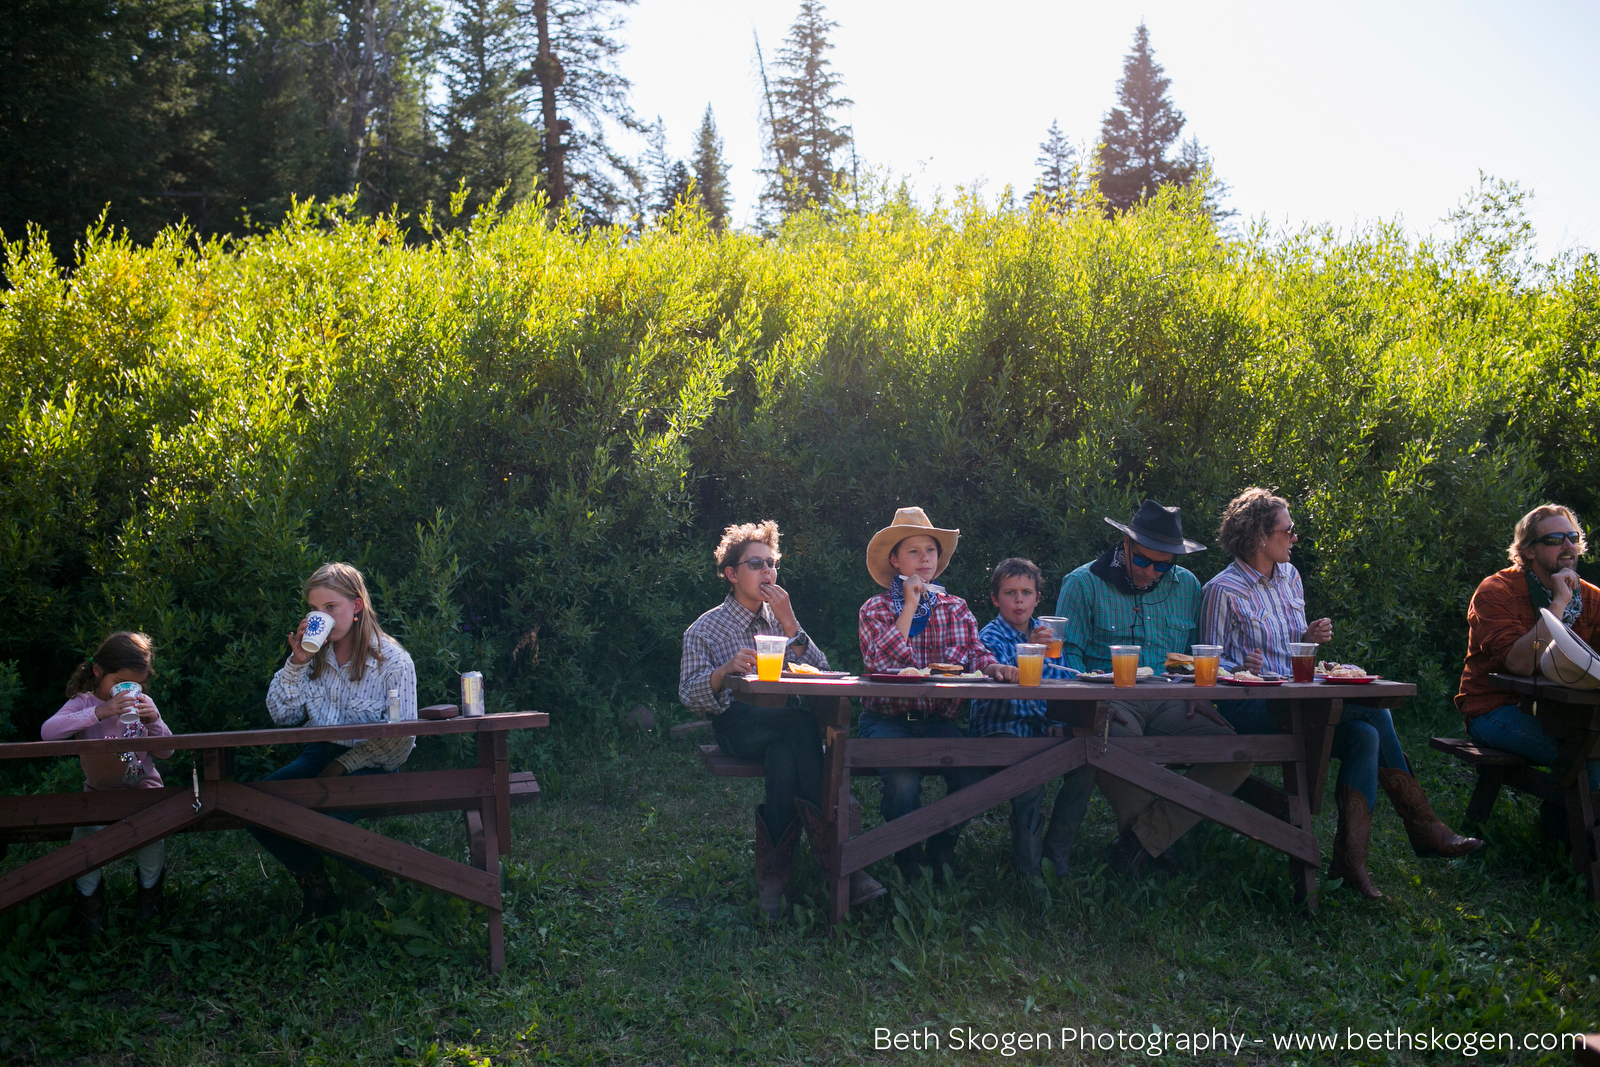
pixel 1135 136
pixel 711 173
pixel 581 93
pixel 1057 163
pixel 804 137
pixel 487 142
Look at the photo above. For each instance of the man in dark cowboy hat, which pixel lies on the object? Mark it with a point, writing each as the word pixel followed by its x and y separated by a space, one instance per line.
pixel 1136 594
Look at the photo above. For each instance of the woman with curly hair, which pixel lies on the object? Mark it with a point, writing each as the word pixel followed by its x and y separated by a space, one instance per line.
pixel 1254 609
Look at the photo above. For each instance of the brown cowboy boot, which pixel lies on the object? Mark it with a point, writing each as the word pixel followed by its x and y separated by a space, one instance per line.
pixel 1350 842
pixel 772 864
pixel 863 887
pixel 92 911
pixel 150 900
pixel 318 900
pixel 1429 836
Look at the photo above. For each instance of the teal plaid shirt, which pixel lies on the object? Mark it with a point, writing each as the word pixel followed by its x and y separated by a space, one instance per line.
pixel 1098 616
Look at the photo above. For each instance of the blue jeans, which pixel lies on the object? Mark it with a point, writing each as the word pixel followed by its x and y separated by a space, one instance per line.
pixel 1030 840
pixel 902 786
pixel 1363 741
pixel 787 742
pixel 298 856
pixel 1511 729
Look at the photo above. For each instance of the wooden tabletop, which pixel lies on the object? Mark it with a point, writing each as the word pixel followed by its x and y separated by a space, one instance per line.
pixel 1527 686
pixel 1057 689
pixel 473 724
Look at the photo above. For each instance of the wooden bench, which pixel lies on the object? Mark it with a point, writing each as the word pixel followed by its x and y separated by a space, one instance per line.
pixel 722 765
pixel 1496 768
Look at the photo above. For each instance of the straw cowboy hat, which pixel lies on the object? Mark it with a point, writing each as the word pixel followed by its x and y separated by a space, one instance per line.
pixel 907 523
pixel 1158 527
pixel 1567 659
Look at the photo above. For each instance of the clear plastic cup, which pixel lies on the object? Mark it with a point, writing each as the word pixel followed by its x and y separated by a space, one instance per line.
pixel 1206 660
pixel 1125 665
pixel 769 656
pixel 1303 660
pixel 1030 664
pixel 1058 627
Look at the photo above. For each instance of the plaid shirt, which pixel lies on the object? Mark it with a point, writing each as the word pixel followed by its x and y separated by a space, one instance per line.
pixel 951 636
pixel 713 638
pixel 1099 616
pixel 1024 718
pixel 1243 610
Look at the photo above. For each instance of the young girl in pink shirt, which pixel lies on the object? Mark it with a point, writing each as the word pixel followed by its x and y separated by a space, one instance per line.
pixel 93 711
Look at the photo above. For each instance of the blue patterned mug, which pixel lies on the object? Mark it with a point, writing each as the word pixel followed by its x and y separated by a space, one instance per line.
pixel 319 624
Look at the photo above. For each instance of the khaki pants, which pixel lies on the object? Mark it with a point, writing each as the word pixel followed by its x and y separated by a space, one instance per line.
pixel 1158 823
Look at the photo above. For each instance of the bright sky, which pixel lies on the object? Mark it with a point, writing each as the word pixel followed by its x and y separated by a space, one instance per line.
pixel 1343 114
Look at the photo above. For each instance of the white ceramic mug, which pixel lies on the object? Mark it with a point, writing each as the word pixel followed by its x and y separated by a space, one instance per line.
pixel 319 624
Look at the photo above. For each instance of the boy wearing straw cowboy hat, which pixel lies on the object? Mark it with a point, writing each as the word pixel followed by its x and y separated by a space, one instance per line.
pixel 1136 594
pixel 914 623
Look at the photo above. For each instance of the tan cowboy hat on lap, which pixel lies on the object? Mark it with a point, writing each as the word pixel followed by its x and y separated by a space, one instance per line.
pixel 908 522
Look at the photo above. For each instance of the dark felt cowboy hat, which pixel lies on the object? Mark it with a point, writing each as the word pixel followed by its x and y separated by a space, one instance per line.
pixel 1160 528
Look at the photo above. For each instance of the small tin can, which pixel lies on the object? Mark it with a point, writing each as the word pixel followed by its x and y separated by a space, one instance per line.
pixel 472 693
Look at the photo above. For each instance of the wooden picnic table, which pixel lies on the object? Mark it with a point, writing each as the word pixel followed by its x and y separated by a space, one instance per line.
pixel 212 801
pixel 1572 718
pixel 1279 817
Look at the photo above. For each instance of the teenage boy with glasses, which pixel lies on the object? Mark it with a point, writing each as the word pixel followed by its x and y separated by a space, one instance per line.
pixel 721 643
pixel 1504 629
pixel 1137 594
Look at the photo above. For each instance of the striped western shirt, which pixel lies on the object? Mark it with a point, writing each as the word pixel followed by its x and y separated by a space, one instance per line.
pixel 1242 609
pixel 1024 718
pixel 333 699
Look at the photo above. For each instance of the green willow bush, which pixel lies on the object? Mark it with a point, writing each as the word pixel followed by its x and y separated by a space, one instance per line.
pixel 528 435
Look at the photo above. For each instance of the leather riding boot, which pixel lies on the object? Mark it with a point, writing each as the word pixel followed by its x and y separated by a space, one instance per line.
pixel 1350 842
pixel 92 912
pixel 1429 836
pixel 773 860
pixel 863 887
pixel 150 900
pixel 317 898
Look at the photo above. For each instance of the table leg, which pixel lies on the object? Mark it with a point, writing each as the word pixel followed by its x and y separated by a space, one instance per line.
pixel 1579 736
pixel 1300 785
pixel 836 798
pixel 491 867
pixel 494 754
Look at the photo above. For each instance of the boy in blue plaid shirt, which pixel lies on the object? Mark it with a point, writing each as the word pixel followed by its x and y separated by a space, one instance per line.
pixel 1014 590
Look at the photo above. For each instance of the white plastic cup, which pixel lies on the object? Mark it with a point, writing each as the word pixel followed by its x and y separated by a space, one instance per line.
pixel 319 624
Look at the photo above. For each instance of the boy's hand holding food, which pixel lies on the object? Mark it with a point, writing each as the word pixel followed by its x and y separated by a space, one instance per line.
pixel 1001 672
pixel 778 597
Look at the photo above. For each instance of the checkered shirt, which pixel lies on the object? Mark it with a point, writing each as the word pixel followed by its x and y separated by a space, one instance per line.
pixel 951 636
pixel 1024 718
pixel 713 638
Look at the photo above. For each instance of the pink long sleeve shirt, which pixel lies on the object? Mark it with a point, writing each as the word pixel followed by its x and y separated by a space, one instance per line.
pixel 77 719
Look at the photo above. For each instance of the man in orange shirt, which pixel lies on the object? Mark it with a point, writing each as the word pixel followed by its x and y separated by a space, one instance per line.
pixel 1504 628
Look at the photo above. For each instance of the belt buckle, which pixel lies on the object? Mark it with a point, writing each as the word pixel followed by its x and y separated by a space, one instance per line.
pixel 915 715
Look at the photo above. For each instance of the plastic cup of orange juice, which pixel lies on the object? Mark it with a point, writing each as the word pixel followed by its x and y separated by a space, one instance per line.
pixel 1058 627
pixel 1206 659
pixel 769 656
pixel 1030 664
pixel 1124 665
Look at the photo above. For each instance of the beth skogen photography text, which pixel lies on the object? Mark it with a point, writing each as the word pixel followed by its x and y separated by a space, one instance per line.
pixel 627 532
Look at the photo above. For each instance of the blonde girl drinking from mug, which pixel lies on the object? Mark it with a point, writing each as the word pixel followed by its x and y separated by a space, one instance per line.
pixel 94 711
pixel 345 681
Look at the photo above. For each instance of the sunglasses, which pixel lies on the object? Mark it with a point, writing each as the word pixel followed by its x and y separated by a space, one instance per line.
pixel 754 565
pixel 1161 568
pixel 1553 539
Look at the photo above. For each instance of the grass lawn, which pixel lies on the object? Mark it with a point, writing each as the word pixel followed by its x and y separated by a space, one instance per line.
pixel 632 937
